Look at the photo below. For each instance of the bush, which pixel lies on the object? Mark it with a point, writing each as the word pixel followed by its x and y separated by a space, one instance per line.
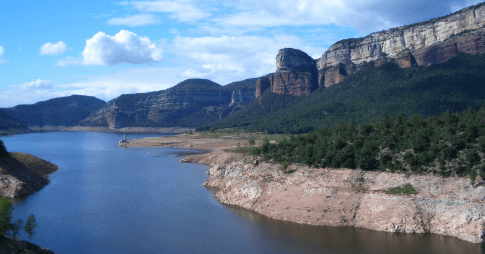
pixel 6 208
pixel 251 141
pixel 402 190
pixel 3 150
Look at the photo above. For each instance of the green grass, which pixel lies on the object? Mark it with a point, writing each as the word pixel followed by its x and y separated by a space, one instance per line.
pixel 407 189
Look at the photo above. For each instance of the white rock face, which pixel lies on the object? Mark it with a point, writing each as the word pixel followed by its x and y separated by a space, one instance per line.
pixel 393 41
pixel 344 197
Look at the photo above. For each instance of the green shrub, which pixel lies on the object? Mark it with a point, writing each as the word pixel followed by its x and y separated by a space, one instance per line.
pixel 6 208
pixel 3 150
pixel 402 190
pixel 251 141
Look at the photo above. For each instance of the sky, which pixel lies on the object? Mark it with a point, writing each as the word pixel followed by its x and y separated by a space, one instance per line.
pixel 55 48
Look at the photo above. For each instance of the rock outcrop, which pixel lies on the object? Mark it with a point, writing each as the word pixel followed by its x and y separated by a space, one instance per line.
pixel 296 73
pixel 426 39
pixel 22 174
pixel 262 85
pixel 191 103
pixel 345 197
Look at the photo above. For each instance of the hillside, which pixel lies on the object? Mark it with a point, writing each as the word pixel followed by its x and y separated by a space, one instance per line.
pixel 10 125
pixel 366 95
pixel 191 103
pixel 22 174
pixel 63 111
pixel 10 245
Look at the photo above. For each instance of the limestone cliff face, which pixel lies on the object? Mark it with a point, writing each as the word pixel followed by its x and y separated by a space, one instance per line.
pixel 262 85
pixel 416 37
pixel 191 103
pixel 296 73
pixel 345 197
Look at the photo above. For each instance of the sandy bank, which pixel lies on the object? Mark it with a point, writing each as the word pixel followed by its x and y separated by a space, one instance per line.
pixel 338 197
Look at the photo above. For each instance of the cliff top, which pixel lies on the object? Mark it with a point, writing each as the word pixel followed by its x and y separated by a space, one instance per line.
pixel 349 42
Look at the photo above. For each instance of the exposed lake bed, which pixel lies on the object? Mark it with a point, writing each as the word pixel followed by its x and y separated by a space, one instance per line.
pixel 105 198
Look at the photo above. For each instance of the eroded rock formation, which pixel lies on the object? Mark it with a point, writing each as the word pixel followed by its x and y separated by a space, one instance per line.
pixel 296 73
pixel 262 85
pixel 191 103
pixel 345 197
pixel 411 37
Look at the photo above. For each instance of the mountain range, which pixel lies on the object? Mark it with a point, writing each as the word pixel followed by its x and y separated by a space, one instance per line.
pixel 425 68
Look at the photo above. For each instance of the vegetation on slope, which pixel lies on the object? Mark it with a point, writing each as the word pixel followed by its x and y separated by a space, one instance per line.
pixel 453 144
pixel 63 111
pixel 366 95
pixel 25 167
pixel 10 125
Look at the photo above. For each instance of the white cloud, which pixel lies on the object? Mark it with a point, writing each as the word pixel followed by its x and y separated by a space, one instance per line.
pixel 226 59
pixel 123 47
pixel 2 51
pixel 53 49
pixel 135 20
pixel 69 60
pixel 36 85
pixel 182 10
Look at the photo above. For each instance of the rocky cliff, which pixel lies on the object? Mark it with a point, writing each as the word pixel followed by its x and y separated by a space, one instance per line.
pixel 22 174
pixel 296 73
pixel 426 40
pixel 427 43
pixel 191 103
pixel 344 197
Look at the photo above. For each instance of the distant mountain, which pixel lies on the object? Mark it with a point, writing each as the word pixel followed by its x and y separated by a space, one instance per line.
pixel 366 95
pixel 191 103
pixel 63 111
pixel 10 125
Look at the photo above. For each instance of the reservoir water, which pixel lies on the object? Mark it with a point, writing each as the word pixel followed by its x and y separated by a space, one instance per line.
pixel 107 199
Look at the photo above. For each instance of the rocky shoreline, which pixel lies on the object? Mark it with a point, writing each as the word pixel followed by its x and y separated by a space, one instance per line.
pixel 342 197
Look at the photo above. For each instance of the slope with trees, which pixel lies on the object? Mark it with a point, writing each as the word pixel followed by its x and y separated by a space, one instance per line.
pixel 366 95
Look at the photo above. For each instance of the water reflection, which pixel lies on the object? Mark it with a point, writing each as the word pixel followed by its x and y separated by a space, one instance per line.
pixel 322 239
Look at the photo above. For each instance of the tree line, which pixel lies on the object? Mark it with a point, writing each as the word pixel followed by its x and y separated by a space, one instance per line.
pixel 452 144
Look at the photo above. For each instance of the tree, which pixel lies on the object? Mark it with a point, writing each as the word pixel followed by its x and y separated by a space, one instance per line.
pixel 251 141
pixel 16 227
pixel 6 208
pixel 3 150
pixel 29 226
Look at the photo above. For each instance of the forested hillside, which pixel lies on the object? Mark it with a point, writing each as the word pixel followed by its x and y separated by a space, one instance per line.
pixel 368 94
pixel 10 125
pixel 453 144
pixel 63 111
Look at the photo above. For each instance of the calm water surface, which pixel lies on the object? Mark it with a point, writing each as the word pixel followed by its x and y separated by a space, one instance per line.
pixel 107 199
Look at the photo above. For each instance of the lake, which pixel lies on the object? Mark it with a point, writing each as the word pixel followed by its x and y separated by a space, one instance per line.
pixel 107 199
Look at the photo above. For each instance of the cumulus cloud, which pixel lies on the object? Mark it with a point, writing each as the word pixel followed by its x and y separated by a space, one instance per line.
pixel 184 11
pixel 123 47
pixel 53 49
pixel 36 85
pixel 135 20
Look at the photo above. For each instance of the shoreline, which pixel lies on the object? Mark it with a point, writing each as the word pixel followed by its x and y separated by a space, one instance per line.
pixel 170 130
pixel 336 197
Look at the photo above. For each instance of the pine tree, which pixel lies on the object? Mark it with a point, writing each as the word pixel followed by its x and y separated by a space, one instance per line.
pixel 29 226
pixel 6 208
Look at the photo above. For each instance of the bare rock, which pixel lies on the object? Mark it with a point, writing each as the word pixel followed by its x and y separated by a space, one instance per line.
pixel 422 36
pixel 262 85
pixel 296 73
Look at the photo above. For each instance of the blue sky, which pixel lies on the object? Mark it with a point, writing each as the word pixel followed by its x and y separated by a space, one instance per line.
pixel 54 48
